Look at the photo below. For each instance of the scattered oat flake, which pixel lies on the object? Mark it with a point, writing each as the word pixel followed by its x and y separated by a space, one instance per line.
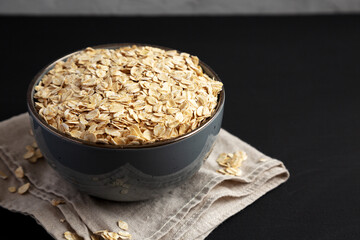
pixel 19 172
pixel 105 234
pixel 33 159
pixel 62 220
pixel 33 153
pixel 239 172
pixel 111 235
pixel 232 171
pixel 71 236
pixel 56 202
pixel 38 153
pixel 34 145
pixel 29 154
pixel 263 159
pixel 24 188
pixel 3 175
pixel 123 225
pixel 12 189
pixel 124 235
pixel 29 148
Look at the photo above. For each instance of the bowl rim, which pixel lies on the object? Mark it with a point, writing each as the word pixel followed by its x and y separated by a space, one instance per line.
pixel 31 104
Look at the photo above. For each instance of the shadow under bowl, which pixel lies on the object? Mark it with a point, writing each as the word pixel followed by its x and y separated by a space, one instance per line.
pixel 125 173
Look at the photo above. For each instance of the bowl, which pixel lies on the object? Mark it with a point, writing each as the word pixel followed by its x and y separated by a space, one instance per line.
pixel 130 172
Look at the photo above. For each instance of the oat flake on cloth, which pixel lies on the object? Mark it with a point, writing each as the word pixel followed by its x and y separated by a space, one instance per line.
pixel 190 211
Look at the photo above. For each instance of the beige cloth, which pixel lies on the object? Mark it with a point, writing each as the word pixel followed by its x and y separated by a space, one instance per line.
pixel 190 211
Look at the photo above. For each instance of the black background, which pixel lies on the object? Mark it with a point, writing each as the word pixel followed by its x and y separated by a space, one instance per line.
pixel 292 91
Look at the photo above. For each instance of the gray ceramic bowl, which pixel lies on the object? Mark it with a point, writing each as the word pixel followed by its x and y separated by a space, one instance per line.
pixel 125 173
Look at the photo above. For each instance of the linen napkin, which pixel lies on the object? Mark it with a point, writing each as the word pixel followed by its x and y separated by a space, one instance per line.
pixel 190 211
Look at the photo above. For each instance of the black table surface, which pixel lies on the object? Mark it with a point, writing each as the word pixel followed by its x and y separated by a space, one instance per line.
pixel 292 85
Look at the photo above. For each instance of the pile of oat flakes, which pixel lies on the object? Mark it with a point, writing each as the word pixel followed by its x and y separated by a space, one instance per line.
pixel 231 163
pixel 32 154
pixel 131 95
